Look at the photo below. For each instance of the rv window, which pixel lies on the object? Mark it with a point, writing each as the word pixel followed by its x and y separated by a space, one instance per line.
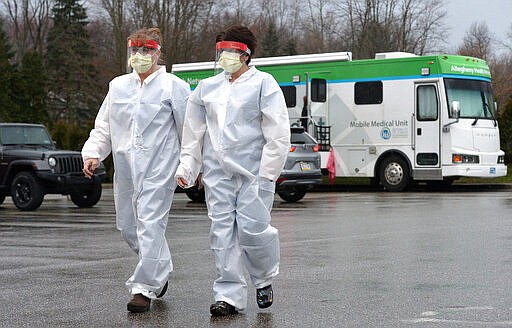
pixel 290 95
pixel 368 93
pixel 426 106
pixel 318 90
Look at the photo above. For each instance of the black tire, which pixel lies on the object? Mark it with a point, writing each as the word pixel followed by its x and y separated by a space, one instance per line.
pixel 394 173
pixel 196 195
pixel 87 198
pixel 26 192
pixel 292 196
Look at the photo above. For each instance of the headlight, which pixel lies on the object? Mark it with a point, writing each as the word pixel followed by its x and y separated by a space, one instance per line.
pixel 465 159
pixel 501 159
pixel 52 161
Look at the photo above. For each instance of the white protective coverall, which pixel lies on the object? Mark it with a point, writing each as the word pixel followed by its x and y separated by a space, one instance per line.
pixel 238 134
pixel 141 125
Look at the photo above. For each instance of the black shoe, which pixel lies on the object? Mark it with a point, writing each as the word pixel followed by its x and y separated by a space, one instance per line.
pixel 264 296
pixel 139 303
pixel 162 293
pixel 222 308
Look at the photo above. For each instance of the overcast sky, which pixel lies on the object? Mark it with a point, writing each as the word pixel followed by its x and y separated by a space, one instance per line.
pixel 497 14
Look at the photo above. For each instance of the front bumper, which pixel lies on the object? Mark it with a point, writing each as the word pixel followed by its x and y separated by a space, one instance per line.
pixel 69 182
pixel 477 171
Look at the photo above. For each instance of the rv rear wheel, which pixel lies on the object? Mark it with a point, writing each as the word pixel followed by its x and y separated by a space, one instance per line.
pixel 394 173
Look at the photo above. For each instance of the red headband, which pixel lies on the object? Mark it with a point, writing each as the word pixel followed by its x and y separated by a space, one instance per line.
pixel 232 45
pixel 148 43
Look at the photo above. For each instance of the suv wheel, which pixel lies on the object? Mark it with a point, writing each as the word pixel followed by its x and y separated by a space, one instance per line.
pixel 196 195
pixel 26 192
pixel 292 196
pixel 87 198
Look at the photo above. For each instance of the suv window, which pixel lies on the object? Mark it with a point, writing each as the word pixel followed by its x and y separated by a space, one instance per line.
pixel 301 138
pixel 24 135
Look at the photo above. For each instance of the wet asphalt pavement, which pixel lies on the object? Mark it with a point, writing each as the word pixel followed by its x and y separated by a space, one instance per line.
pixel 349 258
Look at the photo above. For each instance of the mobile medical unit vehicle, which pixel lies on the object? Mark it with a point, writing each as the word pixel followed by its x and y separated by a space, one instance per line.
pixel 397 118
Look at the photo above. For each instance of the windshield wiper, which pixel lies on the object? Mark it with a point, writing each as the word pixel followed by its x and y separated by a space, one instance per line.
pixel 27 145
pixel 487 108
pixel 39 145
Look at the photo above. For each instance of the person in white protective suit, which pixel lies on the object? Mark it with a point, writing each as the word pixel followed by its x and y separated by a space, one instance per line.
pixel 236 131
pixel 140 122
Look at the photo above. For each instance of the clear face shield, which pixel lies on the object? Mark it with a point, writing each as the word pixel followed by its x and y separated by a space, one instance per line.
pixel 228 55
pixel 141 55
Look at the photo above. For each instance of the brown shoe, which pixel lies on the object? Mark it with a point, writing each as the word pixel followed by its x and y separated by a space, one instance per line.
pixel 139 303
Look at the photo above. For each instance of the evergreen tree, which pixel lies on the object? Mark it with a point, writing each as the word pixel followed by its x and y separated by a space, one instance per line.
pixel 71 83
pixel 290 48
pixel 30 86
pixel 505 121
pixel 270 44
pixel 9 111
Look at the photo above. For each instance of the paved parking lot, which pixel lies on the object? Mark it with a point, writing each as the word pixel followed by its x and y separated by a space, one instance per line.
pixel 349 259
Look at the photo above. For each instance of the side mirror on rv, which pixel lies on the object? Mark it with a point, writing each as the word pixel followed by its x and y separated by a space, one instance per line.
pixel 455 115
pixel 455 109
pixel 496 106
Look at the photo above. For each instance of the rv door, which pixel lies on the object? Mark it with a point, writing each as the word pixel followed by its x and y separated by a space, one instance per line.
pixel 426 139
pixel 319 106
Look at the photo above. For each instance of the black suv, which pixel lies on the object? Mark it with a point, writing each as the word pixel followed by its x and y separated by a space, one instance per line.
pixel 31 166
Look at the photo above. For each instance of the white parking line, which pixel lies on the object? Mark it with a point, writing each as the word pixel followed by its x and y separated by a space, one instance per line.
pixel 463 322
pixel 428 317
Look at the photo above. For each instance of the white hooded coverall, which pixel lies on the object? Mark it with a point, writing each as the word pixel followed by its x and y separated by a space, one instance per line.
pixel 141 125
pixel 238 134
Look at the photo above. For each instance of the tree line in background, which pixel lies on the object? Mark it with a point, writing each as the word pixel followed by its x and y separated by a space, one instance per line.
pixel 57 56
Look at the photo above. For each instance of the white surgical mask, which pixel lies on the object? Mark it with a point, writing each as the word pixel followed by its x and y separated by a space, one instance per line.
pixel 230 62
pixel 141 63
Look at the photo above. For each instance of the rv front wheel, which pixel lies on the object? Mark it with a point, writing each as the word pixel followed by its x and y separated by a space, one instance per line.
pixel 395 174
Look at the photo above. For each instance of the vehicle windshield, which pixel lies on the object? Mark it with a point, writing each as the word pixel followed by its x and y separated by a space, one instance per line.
pixel 475 98
pixel 24 135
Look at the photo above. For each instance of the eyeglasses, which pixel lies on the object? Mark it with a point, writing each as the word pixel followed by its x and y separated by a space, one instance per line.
pixel 142 50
